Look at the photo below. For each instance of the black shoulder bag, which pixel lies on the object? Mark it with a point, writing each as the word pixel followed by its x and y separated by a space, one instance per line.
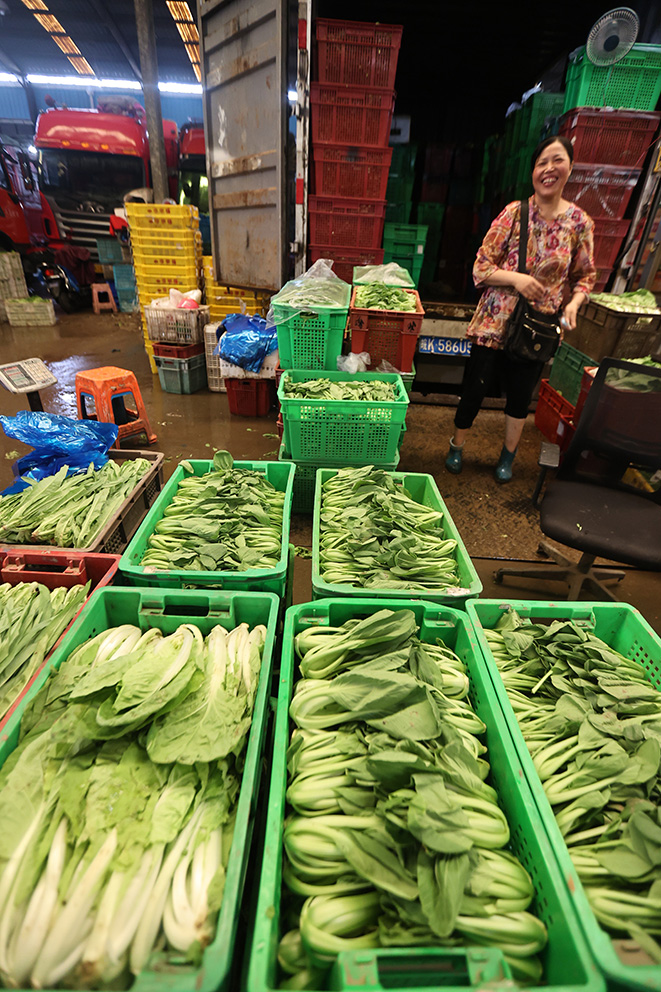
pixel 530 336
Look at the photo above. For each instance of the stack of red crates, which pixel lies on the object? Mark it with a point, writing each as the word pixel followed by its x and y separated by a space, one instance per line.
pixel 610 147
pixel 351 106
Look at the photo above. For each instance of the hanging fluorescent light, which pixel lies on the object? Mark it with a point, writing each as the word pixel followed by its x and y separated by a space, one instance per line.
pixel 91 82
pixel 187 28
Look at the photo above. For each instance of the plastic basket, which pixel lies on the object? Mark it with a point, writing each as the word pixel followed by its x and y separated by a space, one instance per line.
pixel 355 115
pixel 623 628
pixel 347 170
pixel 600 332
pixel 173 215
pixel 345 258
pixel 405 234
pixel 123 276
pixel 215 380
pixel 255 579
pixel 386 334
pixel 398 212
pixel 411 261
pixel 601 190
pixel 312 338
pixel 612 137
pixel 567 962
pixel 608 236
pixel 158 272
pixel 589 372
pixel 248 397
pixel 634 82
pixel 166 610
pixel 181 326
pixel 109 251
pixel 168 279
pixel 119 530
pixel 335 220
pixel 567 372
pixel 34 312
pixel 400 188
pixel 354 431
pixel 554 415
pixel 177 350
pixel 181 375
pixel 423 490
pixel 356 53
pixel 305 481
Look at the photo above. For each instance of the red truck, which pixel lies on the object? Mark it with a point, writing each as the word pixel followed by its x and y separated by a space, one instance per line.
pixel 21 204
pixel 89 160
pixel 193 182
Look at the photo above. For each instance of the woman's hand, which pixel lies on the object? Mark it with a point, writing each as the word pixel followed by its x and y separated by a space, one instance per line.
pixel 527 286
pixel 570 312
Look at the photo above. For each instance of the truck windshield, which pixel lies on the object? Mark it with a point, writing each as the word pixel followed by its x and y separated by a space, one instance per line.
pixel 89 173
pixel 193 184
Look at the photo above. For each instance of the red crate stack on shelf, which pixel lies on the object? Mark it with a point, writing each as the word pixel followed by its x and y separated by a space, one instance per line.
pixel 351 106
pixel 610 147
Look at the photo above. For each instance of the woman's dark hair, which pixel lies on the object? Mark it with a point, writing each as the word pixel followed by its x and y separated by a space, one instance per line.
pixel 565 142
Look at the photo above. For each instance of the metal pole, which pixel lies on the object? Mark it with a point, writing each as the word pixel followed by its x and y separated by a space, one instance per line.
pixel 144 19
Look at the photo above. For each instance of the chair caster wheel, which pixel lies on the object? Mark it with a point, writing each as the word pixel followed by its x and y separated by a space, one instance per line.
pixel 498 577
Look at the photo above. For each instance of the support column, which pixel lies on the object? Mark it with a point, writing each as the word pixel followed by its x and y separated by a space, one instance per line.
pixel 144 19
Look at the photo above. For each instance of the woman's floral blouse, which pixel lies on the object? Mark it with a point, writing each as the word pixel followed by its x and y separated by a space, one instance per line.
pixel 560 255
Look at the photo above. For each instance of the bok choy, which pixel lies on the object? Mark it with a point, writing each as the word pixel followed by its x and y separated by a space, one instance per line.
pixel 119 804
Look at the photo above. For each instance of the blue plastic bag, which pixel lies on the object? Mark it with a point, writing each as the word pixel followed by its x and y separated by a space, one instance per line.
pixel 58 441
pixel 246 342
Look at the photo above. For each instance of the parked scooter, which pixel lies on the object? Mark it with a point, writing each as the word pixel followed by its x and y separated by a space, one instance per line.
pixel 51 280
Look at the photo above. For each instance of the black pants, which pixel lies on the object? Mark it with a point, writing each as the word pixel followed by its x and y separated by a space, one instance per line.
pixel 486 366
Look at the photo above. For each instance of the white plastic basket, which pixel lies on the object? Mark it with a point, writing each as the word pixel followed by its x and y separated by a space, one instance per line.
pixel 178 326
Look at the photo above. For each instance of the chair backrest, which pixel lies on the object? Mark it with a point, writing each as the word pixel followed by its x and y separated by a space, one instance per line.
pixel 618 437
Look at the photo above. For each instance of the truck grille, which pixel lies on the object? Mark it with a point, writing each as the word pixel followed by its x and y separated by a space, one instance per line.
pixel 84 229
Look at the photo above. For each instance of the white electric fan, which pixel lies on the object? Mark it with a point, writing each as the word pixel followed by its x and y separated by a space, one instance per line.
pixel 611 38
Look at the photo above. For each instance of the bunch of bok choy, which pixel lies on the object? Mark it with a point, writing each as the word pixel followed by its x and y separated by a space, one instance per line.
pixel 592 722
pixel 119 803
pixel 394 837
pixel 374 535
pixel 228 519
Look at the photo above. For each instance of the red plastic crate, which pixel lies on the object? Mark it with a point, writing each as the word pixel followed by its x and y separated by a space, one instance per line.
pixel 601 190
pixel 386 334
pixel 248 397
pixel 164 350
pixel 55 569
pixel 611 137
pixel 335 220
pixel 608 236
pixel 350 115
pixel 280 426
pixel 344 258
pixel 554 415
pixel 349 171
pixel 357 53
pixel 586 382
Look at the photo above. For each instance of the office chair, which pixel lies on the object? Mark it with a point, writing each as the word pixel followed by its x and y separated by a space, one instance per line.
pixel 594 504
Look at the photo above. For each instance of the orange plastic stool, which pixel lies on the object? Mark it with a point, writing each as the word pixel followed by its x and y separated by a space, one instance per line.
pixel 100 289
pixel 108 388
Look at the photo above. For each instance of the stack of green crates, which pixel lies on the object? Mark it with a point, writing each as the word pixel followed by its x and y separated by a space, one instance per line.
pixel 401 177
pixel 431 215
pixel 523 131
pixel 405 244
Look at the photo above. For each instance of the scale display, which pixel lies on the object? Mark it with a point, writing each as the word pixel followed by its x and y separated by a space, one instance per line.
pixel 26 377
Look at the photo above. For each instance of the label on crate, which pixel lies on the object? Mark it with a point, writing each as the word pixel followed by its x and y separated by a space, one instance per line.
pixel 444 346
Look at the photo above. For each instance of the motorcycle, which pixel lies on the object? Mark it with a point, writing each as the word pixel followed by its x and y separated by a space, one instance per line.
pixel 51 280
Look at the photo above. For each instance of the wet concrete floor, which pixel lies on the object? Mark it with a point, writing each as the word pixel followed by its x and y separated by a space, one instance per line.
pixel 497 523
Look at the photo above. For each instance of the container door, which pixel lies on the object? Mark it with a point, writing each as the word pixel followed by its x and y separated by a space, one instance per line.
pixel 243 55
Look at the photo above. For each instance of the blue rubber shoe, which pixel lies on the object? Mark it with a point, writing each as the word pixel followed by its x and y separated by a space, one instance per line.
pixel 453 461
pixel 503 471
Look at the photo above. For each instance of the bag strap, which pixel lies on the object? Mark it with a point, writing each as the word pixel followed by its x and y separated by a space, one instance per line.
pixel 523 237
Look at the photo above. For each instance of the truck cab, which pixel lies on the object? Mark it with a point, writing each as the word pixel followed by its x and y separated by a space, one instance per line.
pixel 193 181
pixel 21 213
pixel 89 160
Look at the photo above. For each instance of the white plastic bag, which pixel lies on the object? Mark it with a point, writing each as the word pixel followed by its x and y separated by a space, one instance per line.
pixel 353 362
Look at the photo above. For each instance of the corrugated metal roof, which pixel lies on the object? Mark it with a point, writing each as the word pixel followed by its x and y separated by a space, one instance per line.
pixel 103 30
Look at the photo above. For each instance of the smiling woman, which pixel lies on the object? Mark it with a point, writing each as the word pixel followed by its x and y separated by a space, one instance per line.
pixel 559 275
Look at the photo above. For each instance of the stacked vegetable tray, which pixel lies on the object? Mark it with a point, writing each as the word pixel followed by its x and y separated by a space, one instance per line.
pixel 578 686
pixel 385 321
pixel 403 847
pixel 130 781
pixel 217 524
pixel 381 533
pixel 311 316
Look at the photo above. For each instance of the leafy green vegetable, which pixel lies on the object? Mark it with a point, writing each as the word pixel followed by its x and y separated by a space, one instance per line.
pixel 370 391
pixel 378 296
pixel 309 291
pixel 637 301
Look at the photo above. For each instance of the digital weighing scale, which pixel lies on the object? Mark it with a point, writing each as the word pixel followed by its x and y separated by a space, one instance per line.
pixel 28 376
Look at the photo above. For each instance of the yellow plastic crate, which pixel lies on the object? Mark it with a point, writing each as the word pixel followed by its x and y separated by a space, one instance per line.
pixel 165 256
pixel 161 285
pixel 172 215
pixel 184 270
pixel 165 237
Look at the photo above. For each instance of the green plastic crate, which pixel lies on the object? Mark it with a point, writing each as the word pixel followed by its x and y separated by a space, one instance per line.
pixel 398 212
pixel 399 187
pixel 255 579
pixel 409 234
pixel 424 490
pixel 311 338
pixel 567 962
pixel 403 160
pixel 622 627
pixel 536 111
pixel 182 375
pixel 355 432
pixel 567 371
pixel 167 609
pixel 359 281
pixel 633 83
pixel 305 480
